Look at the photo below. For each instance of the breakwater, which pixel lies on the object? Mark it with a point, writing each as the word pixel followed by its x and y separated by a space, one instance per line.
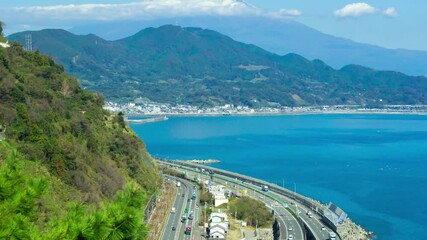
pixel 147 120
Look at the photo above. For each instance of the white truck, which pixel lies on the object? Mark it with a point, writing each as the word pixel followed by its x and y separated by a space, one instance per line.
pixel 265 188
pixel 178 184
pixel 332 236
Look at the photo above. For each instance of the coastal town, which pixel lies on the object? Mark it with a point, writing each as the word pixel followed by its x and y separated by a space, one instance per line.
pixel 139 108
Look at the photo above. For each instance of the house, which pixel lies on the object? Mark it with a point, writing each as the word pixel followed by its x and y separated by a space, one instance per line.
pixel 218 226
pixel 218 217
pixel 217 231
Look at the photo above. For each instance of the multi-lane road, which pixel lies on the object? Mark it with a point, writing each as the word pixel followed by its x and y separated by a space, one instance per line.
pixel 289 224
pixel 183 206
pixel 277 200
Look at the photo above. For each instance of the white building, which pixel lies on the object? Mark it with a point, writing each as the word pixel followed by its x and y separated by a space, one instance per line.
pixel 218 217
pixel 218 226
pixel 217 232
pixel 218 192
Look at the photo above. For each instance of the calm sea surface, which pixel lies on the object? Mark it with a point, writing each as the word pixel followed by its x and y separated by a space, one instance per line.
pixel 373 166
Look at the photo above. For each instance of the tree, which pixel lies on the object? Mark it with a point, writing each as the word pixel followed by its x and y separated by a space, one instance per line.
pixel 1 28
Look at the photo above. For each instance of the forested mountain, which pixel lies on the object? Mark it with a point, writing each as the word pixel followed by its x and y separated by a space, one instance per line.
pixel 202 67
pixel 281 37
pixel 68 168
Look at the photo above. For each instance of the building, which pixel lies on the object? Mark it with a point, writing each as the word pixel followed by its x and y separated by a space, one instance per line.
pixel 334 214
pixel 218 217
pixel 217 231
pixel 218 226
pixel 218 193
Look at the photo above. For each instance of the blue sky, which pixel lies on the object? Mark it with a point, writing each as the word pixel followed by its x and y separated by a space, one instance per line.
pixel 387 23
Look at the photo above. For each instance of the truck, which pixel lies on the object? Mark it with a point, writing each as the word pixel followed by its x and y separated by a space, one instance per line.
pixel 332 236
pixel 178 184
pixel 265 188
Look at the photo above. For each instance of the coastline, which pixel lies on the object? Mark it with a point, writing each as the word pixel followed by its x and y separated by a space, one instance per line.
pixel 277 113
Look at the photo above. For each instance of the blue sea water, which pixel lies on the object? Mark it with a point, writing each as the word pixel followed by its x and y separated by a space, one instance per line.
pixel 373 166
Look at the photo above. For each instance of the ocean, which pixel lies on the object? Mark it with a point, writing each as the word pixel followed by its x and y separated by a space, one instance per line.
pixel 373 166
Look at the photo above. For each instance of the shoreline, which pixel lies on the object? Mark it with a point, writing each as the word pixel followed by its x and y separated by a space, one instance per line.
pixel 278 114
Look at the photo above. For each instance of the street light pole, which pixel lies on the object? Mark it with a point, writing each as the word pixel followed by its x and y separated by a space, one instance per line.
pixel 295 198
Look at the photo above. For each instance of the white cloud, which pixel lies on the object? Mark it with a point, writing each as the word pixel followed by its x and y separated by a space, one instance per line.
pixel 66 16
pixel 390 12
pixel 290 12
pixel 355 10
pixel 146 9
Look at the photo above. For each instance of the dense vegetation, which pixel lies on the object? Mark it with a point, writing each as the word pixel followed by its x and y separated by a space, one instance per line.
pixel 202 67
pixel 90 175
pixel 31 207
pixel 251 210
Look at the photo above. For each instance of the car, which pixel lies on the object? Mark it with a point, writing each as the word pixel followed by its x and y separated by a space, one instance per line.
pixel 187 231
pixel 183 195
pixel 323 228
pixel 291 237
pixel 173 228
pixel 290 229
pixel 188 200
pixel 186 210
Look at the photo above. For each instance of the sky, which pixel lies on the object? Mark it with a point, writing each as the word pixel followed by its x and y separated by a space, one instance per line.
pixel 386 23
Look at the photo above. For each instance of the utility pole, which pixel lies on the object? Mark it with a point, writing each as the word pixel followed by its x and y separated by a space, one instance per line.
pixel 205 214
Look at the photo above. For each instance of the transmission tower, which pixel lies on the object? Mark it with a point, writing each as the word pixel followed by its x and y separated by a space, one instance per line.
pixel 28 43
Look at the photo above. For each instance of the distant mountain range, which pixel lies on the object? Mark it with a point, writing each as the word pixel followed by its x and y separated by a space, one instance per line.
pixel 282 37
pixel 203 67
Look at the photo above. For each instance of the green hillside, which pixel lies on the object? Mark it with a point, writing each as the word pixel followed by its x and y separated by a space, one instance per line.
pixel 68 168
pixel 202 67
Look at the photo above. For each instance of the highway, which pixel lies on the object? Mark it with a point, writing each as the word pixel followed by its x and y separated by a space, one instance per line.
pixel 183 201
pixel 313 224
pixel 289 224
pixel 279 194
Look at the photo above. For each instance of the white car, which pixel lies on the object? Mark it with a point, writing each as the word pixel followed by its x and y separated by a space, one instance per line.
pixel 291 237
pixel 290 229
pixel 323 228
